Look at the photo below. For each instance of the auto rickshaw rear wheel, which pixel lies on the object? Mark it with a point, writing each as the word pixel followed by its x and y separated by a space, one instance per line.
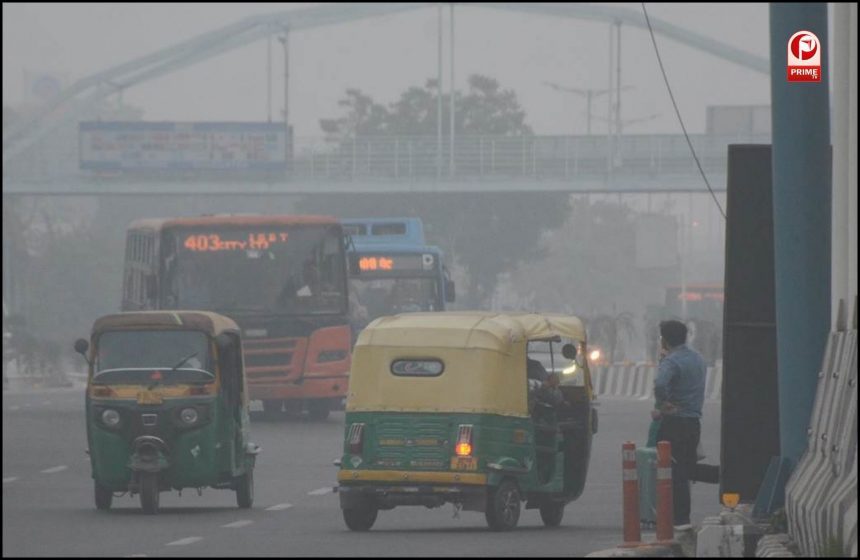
pixel 245 490
pixel 503 506
pixel 149 492
pixel 361 518
pixel 318 409
pixel 551 513
pixel 104 497
pixel 272 408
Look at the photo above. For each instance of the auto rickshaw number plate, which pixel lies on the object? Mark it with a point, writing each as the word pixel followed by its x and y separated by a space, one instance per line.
pixel 149 397
pixel 464 463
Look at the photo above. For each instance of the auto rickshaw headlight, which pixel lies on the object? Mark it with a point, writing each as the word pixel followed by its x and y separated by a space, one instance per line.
pixel 189 415
pixel 111 418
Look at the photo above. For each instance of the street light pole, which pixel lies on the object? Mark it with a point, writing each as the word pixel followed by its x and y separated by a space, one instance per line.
pixel 451 166
pixel 589 93
pixel 439 102
pixel 285 42
pixel 588 108
pixel 269 77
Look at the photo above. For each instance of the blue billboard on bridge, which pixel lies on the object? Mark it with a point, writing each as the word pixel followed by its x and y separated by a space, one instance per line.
pixel 177 146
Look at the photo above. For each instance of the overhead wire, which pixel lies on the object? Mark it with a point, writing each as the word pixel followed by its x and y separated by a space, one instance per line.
pixel 678 113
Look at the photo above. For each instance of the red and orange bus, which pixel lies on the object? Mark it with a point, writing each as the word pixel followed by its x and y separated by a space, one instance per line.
pixel 283 279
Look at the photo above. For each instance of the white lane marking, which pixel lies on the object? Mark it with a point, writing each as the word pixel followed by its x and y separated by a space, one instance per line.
pixel 237 524
pixel 53 470
pixel 14 408
pixel 136 556
pixel 183 542
pixel 10 479
pixel 320 491
pixel 279 507
pixel 46 403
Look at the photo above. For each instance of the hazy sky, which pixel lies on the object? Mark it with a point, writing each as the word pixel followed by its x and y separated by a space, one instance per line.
pixel 383 56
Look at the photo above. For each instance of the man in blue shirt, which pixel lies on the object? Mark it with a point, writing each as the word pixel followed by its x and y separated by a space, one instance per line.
pixel 680 392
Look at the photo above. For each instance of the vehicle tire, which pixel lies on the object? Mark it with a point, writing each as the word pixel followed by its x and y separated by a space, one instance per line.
pixel 318 409
pixel 272 409
pixel 104 497
pixel 551 513
pixel 503 506
pixel 361 518
pixel 245 490
pixel 149 492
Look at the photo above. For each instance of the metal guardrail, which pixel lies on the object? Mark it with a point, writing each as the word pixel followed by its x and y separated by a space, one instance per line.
pixel 419 158
pixel 488 157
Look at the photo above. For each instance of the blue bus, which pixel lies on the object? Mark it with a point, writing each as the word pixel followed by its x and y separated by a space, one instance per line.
pixel 397 271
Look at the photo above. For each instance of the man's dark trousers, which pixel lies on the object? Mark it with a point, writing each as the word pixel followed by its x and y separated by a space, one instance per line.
pixel 683 433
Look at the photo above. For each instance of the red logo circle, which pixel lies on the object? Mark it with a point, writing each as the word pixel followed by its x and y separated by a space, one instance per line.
pixel 804 46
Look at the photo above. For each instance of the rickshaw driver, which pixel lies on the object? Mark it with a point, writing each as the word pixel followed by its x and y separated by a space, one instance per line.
pixel 542 385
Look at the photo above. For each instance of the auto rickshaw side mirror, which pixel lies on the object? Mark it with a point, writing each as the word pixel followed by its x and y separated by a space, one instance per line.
pixel 354 267
pixel 450 292
pixel 81 346
pixel 569 351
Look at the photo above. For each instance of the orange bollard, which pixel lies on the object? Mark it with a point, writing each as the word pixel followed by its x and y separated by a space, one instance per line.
pixel 665 528
pixel 630 478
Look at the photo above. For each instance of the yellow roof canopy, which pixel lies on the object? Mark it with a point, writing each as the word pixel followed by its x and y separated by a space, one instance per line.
pixel 206 321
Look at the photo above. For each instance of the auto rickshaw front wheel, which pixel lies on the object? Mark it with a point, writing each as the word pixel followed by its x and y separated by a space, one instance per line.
pixel 503 506
pixel 551 513
pixel 104 497
pixel 318 409
pixel 149 493
pixel 245 490
pixel 360 518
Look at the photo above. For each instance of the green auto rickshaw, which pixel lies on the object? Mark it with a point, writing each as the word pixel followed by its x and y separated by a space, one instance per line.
pixel 167 406
pixel 440 410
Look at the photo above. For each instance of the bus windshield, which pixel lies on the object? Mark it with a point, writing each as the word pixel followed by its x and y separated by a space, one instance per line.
pixel 388 296
pixel 276 269
pixel 137 357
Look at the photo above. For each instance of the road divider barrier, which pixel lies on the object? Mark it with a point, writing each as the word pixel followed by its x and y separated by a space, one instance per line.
pixel 637 381
pixel 821 494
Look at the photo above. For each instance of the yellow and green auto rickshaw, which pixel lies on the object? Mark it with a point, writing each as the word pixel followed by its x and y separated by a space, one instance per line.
pixel 167 406
pixel 440 411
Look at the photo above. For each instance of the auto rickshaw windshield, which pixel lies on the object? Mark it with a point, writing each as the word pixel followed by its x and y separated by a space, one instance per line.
pixel 133 357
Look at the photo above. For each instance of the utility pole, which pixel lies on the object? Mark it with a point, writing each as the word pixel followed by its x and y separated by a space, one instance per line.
pixel 269 77
pixel 284 39
pixel 609 150
pixel 451 87
pixel 617 142
pixel 439 103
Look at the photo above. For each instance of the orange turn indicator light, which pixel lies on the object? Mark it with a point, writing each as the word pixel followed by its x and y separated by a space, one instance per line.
pixel 463 449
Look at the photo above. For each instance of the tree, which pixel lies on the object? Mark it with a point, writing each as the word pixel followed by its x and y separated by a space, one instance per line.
pixel 590 267
pixel 486 233
pixel 610 332
pixel 364 116
pixel 484 109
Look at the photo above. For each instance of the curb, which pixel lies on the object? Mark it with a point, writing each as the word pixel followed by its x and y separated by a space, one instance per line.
pixel 642 551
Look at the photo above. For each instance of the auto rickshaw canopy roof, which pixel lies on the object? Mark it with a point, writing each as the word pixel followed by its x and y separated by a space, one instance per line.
pixel 470 329
pixel 208 322
pixel 483 355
